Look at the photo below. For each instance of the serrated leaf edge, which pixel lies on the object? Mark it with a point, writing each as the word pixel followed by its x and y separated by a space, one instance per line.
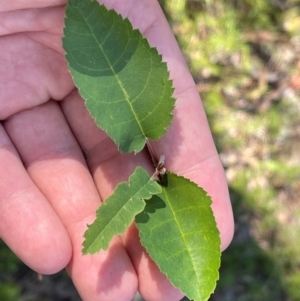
pixel 162 62
pixel 98 212
pixel 166 273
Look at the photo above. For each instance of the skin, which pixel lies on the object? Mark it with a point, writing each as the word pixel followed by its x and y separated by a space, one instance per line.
pixel 56 166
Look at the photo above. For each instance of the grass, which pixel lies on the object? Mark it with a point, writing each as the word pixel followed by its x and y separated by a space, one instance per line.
pixel 243 56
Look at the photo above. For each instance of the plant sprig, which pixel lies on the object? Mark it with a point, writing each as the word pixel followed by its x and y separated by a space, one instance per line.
pixel 127 90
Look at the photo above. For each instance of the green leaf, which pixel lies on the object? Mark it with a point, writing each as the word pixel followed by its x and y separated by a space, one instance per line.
pixel 178 230
pixel 123 80
pixel 118 211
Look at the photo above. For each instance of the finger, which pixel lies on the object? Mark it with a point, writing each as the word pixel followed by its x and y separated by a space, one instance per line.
pixel 21 4
pixel 28 224
pixel 32 65
pixel 153 285
pixel 109 167
pixel 47 20
pixel 57 166
pixel 188 144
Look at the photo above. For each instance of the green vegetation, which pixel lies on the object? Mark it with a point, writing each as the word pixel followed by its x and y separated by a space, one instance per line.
pixel 131 95
pixel 185 247
pixel 9 289
pixel 243 56
pixel 119 210
pixel 127 91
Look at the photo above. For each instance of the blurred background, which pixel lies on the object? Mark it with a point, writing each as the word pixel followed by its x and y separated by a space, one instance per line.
pixel 245 59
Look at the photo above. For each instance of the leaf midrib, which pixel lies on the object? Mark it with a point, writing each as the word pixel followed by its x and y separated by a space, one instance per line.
pixel 183 237
pixel 117 213
pixel 116 76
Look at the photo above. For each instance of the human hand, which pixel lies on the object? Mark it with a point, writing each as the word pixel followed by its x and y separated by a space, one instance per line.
pixel 56 166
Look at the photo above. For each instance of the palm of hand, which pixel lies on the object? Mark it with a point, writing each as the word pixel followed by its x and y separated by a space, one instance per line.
pixel 70 165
